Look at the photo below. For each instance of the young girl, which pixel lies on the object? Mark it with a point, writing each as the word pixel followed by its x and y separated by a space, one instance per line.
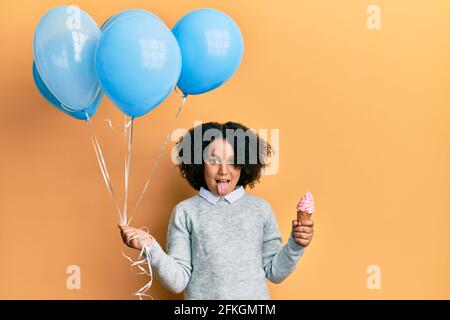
pixel 223 242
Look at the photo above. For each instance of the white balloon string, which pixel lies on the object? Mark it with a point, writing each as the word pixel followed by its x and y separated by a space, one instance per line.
pixel 102 165
pixel 128 134
pixel 158 157
pixel 140 264
pixel 110 124
pixel 180 93
pixel 129 221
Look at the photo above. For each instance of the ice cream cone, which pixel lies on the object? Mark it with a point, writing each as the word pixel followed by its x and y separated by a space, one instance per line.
pixel 302 216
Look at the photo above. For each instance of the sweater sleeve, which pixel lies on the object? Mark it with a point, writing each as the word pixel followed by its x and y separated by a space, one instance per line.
pixel 278 261
pixel 174 267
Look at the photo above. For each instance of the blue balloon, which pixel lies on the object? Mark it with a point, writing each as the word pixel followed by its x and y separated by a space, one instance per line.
pixel 211 47
pixel 126 13
pixel 138 63
pixel 64 46
pixel 48 95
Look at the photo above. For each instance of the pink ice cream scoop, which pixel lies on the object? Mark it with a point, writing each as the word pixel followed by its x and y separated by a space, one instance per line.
pixel 306 203
pixel 305 207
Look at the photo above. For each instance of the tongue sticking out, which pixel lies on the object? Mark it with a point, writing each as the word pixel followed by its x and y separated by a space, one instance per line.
pixel 222 188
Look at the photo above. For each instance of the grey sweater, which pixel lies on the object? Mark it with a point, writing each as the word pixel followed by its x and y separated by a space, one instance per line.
pixel 223 248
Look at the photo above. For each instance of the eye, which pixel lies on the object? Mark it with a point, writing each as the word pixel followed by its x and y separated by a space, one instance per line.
pixel 230 161
pixel 213 161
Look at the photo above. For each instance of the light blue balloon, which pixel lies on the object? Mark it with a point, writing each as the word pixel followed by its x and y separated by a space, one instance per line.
pixel 138 63
pixel 211 47
pixel 64 46
pixel 48 95
pixel 127 13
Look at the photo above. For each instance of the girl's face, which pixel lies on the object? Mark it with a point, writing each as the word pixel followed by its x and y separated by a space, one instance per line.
pixel 221 175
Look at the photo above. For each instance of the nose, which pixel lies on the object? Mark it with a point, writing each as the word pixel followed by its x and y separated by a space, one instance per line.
pixel 223 168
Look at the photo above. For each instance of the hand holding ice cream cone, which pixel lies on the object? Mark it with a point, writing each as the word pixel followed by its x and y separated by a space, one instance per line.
pixel 303 227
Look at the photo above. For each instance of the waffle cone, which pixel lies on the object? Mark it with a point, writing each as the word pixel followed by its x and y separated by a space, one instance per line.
pixel 302 216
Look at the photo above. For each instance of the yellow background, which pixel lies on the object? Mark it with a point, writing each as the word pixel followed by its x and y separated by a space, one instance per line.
pixel 364 124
